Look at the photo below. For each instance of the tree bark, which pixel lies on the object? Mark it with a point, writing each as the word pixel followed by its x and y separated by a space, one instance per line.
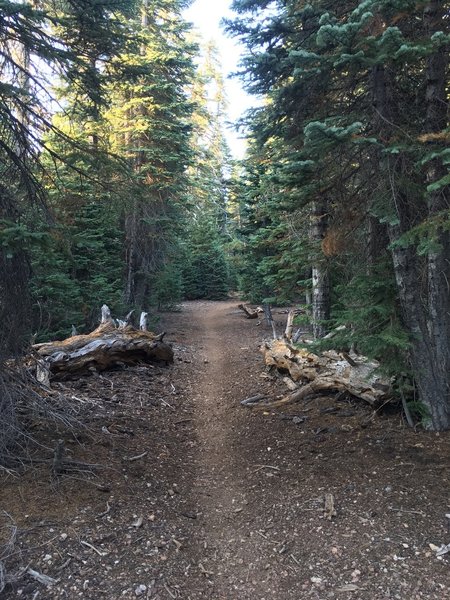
pixel 425 311
pixel 438 203
pixel 102 349
pixel 321 289
pixel 329 371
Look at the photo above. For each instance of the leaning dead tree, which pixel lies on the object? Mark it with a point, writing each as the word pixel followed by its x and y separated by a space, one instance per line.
pixel 329 371
pixel 111 344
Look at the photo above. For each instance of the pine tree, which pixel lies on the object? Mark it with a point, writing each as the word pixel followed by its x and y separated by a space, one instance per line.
pixel 205 273
pixel 346 86
pixel 38 41
pixel 150 127
pixel 206 270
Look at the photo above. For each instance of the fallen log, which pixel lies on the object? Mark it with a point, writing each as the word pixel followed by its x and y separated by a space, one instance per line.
pixel 105 347
pixel 250 312
pixel 328 372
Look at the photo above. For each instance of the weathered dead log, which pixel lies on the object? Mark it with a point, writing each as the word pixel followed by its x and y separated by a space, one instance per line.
pixel 106 347
pixel 327 372
pixel 143 321
pixel 250 312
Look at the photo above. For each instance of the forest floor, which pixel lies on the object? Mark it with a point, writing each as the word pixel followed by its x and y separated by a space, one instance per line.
pixel 198 497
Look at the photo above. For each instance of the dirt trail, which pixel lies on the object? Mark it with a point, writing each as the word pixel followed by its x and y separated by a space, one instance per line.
pixel 260 480
pixel 230 554
pixel 198 498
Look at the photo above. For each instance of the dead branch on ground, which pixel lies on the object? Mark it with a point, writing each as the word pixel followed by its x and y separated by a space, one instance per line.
pixel 251 313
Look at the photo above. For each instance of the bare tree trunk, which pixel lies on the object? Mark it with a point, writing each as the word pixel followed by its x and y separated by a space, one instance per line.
pixel 321 290
pixel 438 203
pixel 130 257
pixel 377 241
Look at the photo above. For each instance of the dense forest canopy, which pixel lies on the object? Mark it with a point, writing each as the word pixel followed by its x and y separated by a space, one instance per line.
pixel 117 185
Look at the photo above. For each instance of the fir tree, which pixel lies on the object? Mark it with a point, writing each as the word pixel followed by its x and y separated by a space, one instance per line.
pixel 38 40
pixel 344 126
pixel 150 127
pixel 205 272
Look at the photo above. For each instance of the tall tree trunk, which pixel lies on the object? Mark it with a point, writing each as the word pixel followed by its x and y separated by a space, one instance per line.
pixel 140 233
pixel 15 301
pixel 130 255
pixel 321 290
pixel 134 293
pixel 377 241
pixel 425 312
pixel 438 202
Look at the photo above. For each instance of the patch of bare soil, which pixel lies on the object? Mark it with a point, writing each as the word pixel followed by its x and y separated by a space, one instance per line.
pixel 196 497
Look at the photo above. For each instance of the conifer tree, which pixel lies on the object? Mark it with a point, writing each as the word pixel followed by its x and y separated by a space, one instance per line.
pixel 39 40
pixel 206 270
pixel 206 273
pixel 150 127
pixel 356 97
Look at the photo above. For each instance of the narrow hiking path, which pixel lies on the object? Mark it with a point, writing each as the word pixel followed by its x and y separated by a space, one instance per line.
pixel 199 498
pixel 234 557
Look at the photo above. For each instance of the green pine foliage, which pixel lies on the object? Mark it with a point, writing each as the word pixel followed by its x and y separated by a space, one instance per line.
pixel 354 123
pixel 208 236
pixel 367 305
pixel 205 271
pixel 97 258
pixel 56 295
pixel 75 269
pixel 168 286
pixel 40 41
pixel 150 126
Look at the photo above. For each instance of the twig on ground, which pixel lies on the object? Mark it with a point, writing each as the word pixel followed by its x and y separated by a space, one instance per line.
pixel 133 458
pixel 204 571
pixel 171 594
pixel 260 467
pixel 105 512
pixel 410 512
pixel 2 577
pixel 295 560
pixel 44 579
pixel 9 471
pixel 96 550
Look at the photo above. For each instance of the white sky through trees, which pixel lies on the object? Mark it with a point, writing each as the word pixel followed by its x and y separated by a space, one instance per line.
pixel 206 16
